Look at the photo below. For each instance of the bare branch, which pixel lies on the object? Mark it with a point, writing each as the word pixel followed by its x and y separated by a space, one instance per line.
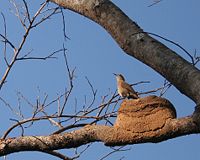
pixel 141 82
pixel 39 11
pixel 46 17
pixel 111 136
pixel 165 87
pixel 19 124
pixel 71 77
pixel 5 42
pixel 197 58
pixel 53 122
pixel 31 24
pixel 154 3
pixel 78 155
pixel 50 56
pixel 69 127
pixel 107 104
pixel 32 119
pixel 27 11
pixel 17 13
pixel 64 26
pixel 162 89
pixel 119 149
pixel 94 92
pixel 57 154
pixel 17 51
pixel 11 108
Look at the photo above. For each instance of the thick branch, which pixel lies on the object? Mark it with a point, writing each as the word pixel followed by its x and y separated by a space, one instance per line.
pixel 136 43
pixel 111 136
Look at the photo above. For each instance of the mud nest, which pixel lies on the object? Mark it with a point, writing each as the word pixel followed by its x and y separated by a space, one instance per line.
pixel 144 114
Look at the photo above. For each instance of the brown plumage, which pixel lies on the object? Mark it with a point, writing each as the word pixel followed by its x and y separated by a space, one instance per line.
pixel 124 89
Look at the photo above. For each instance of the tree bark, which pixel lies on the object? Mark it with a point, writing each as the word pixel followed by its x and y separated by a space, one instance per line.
pixel 136 43
pixel 110 136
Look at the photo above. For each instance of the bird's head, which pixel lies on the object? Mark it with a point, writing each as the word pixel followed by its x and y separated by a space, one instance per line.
pixel 119 77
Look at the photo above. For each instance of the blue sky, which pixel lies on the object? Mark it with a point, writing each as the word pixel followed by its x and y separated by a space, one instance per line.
pixel 96 55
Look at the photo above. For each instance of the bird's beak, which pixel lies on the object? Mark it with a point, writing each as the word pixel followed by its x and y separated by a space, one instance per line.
pixel 115 74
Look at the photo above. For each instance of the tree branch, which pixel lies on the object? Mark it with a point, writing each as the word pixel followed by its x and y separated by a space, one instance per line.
pixel 57 154
pixel 110 136
pixel 127 34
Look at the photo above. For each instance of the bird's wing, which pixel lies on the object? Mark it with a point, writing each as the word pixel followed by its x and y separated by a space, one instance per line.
pixel 132 93
pixel 128 87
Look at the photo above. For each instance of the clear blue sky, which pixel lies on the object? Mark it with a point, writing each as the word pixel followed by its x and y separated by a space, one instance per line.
pixel 96 55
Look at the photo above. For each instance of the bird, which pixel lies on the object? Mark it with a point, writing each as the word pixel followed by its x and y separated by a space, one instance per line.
pixel 124 89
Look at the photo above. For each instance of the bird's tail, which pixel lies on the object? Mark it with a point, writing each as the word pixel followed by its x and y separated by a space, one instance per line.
pixel 133 96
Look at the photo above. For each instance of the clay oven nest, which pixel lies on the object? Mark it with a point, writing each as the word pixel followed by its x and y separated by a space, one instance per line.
pixel 148 114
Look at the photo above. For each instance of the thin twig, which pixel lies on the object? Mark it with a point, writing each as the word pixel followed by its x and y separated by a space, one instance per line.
pixel 69 127
pixel 57 154
pixel 5 42
pixel 46 118
pixel 114 151
pixel 17 51
pixel 71 76
pixel 50 56
pixel 27 11
pixel 19 124
pixel 154 3
pixel 10 107
pixel 78 155
pixel 17 13
pixel 45 18
pixel 64 26
pixel 94 92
